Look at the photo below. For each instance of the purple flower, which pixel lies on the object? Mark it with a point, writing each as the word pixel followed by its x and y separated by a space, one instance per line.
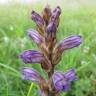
pixel 31 74
pixel 70 75
pixel 67 43
pixel 50 31
pixel 70 42
pixel 31 56
pixel 62 80
pixel 56 13
pixel 37 18
pixel 33 34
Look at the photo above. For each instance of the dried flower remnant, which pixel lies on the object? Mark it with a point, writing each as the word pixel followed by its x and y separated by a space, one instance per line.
pixel 47 14
pixel 50 53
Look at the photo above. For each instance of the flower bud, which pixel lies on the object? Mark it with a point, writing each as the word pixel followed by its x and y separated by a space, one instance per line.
pixel 35 36
pixel 39 21
pixel 37 18
pixel 50 32
pixel 56 13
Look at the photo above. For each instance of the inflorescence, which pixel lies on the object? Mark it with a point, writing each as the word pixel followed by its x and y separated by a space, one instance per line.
pixel 49 54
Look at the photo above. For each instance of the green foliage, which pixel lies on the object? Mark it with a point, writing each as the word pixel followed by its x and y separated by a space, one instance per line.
pixel 15 20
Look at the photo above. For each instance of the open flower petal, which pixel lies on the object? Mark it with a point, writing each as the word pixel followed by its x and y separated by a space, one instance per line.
pixel 70 75
pixel 70 42
pixel 31 74
pixel 62 80
pixel 31 56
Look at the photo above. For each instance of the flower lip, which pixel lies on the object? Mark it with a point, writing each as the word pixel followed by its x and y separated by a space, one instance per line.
pixel 31 74
pixel 62 80
pixel 31 56
pixel 70 42
pixel 70 75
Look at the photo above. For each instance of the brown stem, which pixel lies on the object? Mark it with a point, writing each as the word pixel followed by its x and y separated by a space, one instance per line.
pixel 51 72
pixel 51 92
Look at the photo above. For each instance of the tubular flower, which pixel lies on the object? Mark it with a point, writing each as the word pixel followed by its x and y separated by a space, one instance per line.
pixel 39 22
pixel 35 36
pixel 37 18
pixel 33 56
pixel 62 80
pixel 31 74
pixel 67 43
pixel 50 53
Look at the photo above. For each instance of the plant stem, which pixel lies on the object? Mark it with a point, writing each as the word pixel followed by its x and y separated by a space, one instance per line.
pixel 51 72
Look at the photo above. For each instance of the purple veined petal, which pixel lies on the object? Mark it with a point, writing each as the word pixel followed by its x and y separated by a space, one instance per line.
pixel 60 83
pixel 31 74
pixel 35 36
pixel 70 42
pixel 37 18
pixel 57 76
pixel 70 75
pixel 56 13
pixel 67 43
pixel 31 56
pixel 62 80
pixel 51 31
pixel 51 27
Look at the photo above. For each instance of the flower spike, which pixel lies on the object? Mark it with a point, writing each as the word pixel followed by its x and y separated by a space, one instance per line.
pixel 50 53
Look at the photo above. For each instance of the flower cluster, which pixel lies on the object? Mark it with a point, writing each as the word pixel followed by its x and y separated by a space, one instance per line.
pixel 49 54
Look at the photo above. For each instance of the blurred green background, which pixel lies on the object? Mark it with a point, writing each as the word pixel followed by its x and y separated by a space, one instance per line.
pixel 78 17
